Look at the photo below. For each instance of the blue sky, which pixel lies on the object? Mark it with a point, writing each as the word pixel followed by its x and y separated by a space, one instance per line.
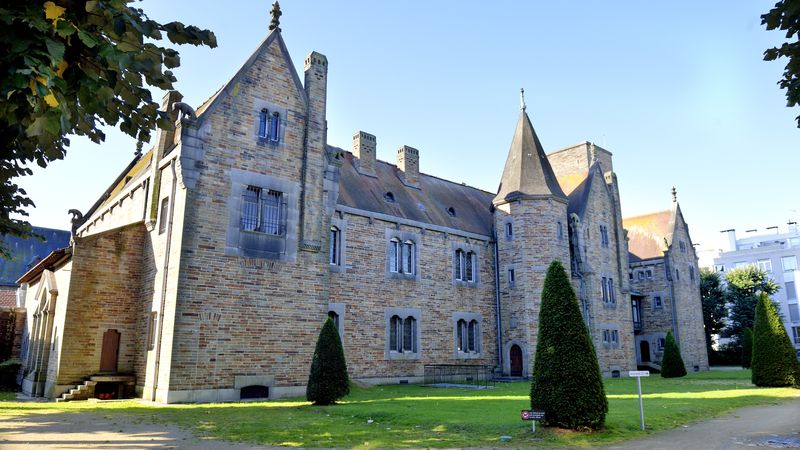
pixel 677 91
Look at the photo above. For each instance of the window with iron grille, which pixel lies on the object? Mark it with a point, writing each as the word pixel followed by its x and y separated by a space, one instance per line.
pixel 263 211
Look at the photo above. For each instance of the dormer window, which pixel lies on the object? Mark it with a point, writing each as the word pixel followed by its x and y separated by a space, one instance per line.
pixel 388 197
pixel 451 211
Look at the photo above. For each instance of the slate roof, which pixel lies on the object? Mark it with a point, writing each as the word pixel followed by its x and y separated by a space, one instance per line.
pixel 646 234
pixel 527 170
pixel 428 204
pixel 26 253
pixel 579 194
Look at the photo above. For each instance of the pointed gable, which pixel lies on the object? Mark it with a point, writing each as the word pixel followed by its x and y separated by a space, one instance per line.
pixel 231 88
pixel 580 195
pixel 527 171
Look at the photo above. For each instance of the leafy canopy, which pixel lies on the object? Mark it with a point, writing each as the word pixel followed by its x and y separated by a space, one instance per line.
pixel 744 286
pixel 68 67
pixel 712 294
pixel 785 16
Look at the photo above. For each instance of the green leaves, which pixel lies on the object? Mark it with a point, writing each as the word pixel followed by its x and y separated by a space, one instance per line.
pixel 66 71
pixel 785 16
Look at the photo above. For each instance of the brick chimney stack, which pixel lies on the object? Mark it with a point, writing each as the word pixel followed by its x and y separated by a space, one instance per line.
pixel 408 163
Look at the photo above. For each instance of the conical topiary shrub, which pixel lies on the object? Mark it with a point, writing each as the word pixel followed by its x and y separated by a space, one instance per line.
pixel 328 380
pixel 747 348
pixel 774 362
pixel 672 362
pixel 566 384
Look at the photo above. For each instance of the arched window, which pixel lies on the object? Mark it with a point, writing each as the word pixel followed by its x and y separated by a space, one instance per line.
pixel 559 231
pixel 403 334
pixel 461 335
pixel 459 263
pixel 509 230
pixel 263 118
pixel 335 242
pixel 395 334
pixel 409 335
pixel 408 257
pixel 472 336
pixel 469 262
pixel 394 255
pixel 274 127
pixel 467 336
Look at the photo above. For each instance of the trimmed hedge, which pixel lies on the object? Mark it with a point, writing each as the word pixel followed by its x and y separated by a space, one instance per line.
pixel 328 380
pixel 8 373
pixel 672 363
pixel 566 384
pixel 774 362
pixel 747 348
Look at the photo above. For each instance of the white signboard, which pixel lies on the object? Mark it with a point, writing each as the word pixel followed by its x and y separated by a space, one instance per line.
pixel 639 373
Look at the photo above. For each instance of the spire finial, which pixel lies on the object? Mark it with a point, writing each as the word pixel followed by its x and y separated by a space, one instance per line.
pixel 522 99
pixel 674 195
pixel 276 17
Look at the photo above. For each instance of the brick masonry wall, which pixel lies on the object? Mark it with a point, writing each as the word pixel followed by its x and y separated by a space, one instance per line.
pixel 236 316
pixel 365 291
pixel 602 261
pixel 688 306
pixel 103 295
pixel 530 251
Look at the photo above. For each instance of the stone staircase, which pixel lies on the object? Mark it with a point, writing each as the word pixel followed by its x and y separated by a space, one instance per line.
pixel 82 391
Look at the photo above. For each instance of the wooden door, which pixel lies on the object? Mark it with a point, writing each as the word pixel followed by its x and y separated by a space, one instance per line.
pixel 644 351
pixel 516 361
pixel 110 351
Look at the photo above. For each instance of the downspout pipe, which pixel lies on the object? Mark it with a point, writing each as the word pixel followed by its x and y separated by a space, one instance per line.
pixel 497 300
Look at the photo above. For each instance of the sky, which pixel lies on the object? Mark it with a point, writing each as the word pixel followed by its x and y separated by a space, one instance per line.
pixel 677 91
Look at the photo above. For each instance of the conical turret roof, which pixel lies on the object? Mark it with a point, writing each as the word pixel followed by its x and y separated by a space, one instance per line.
pixel 527 172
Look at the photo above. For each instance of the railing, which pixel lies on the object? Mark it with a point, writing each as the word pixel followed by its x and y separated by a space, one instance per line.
pixel 459 374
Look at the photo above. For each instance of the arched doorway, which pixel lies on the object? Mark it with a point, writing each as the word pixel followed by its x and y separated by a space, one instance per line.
pixel 644 351
pixel 515 356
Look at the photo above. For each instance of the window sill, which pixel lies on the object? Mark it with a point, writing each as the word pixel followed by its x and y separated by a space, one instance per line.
pixel 400 276
pixel 393 355
pixel 462 283
pixel 468 355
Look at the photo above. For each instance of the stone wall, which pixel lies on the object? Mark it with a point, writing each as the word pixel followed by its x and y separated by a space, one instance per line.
pixel 367 291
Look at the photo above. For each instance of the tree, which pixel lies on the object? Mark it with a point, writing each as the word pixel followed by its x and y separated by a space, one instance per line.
pixel 566 384
pixel 672 363
pixel 328 380
pixel 68 67
pixel 744 286
pixel 774 361
pixel 747 348
pixel 712 295
pixel 785 16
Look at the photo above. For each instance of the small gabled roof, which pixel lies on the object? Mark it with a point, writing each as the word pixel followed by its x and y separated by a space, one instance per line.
pixel 527 171
pixel 649 235
pixel 25 253
pixel 579 195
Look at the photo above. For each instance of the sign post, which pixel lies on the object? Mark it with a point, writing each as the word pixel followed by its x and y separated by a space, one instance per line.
pixel 639 374
pixel 533 416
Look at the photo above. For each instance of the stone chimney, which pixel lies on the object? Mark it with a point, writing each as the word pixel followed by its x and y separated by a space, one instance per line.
pixel 364 147
pixel 408 163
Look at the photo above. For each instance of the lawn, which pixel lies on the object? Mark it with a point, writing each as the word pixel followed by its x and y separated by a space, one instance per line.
pixel 416 416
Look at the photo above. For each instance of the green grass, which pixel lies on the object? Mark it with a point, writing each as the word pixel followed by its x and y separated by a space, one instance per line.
pixel 416 416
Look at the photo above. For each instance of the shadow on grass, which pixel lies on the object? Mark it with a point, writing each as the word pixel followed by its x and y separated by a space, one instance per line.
pixel 416 416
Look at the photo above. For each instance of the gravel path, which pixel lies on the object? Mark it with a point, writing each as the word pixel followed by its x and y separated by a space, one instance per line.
pixel 775 426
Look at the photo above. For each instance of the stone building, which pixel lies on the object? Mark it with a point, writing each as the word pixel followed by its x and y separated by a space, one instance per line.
pixel 206 270
pixel 665 283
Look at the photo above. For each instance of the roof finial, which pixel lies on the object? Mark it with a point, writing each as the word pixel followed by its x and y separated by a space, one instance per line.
pixel 276 17
pixel 522 99
pixel 592 154
pixel 674 195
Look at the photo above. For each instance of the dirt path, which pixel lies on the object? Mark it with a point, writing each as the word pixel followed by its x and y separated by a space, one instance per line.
pixel 761 427
pixel 90 430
